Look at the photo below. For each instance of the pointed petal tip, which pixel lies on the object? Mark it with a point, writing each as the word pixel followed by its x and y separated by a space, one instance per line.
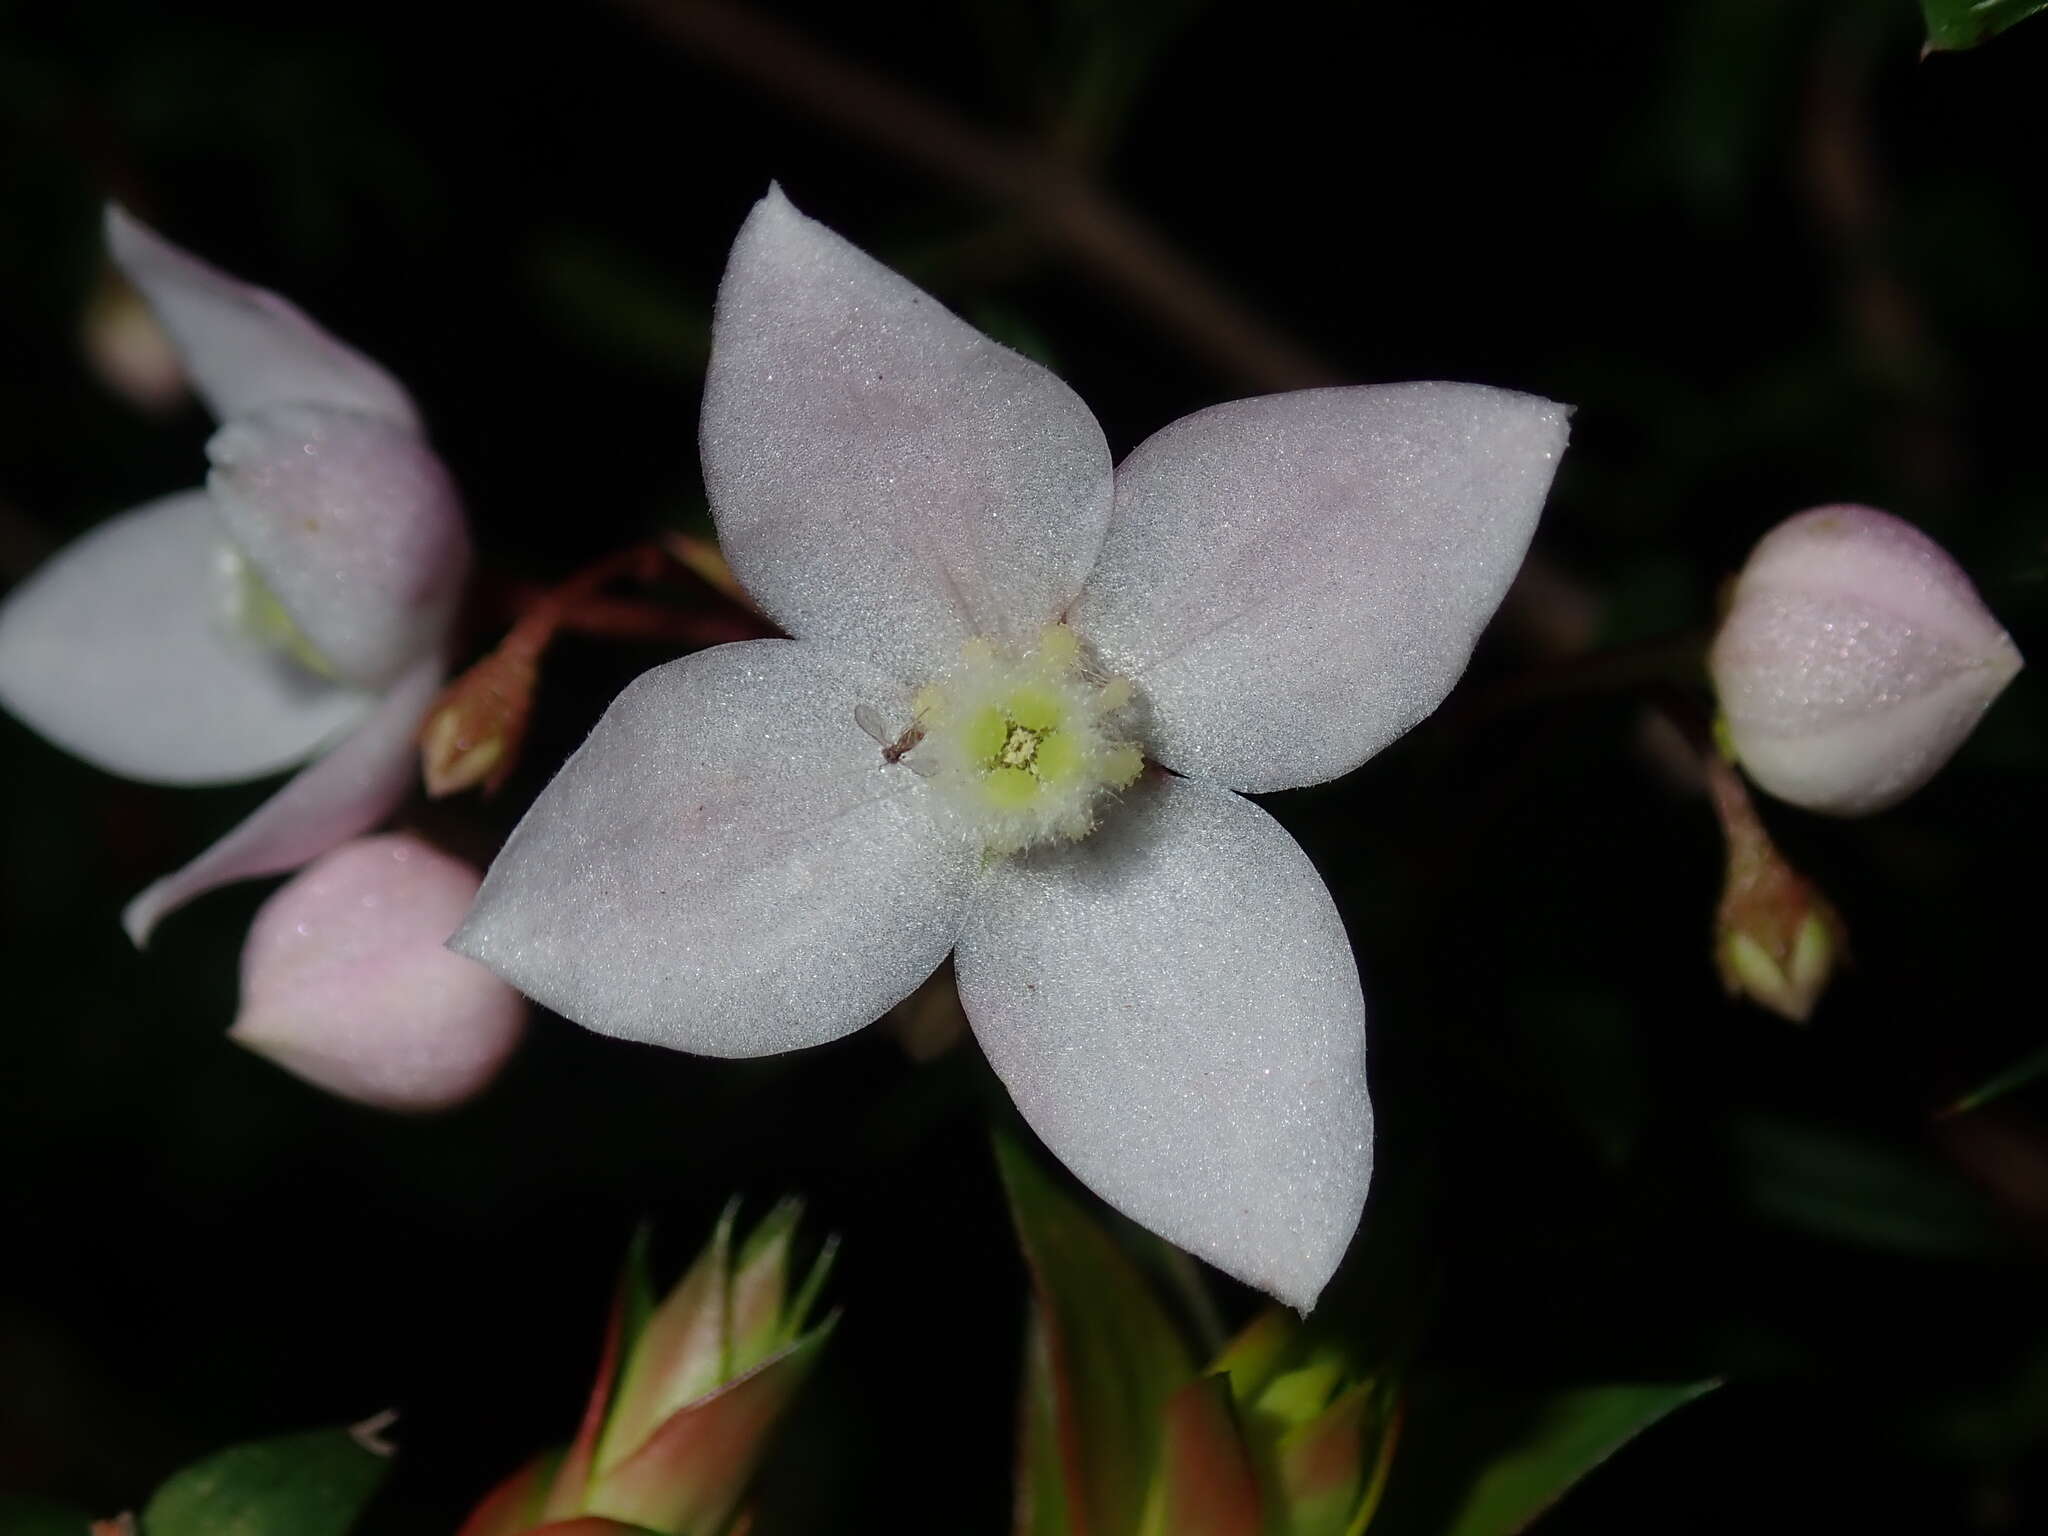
pixel 244 346
pixel 140 917
pixel 338 796
pixel 1248 1145
pixel 1295 580
pixel 971 486
pixel 117 222
pixel 129 239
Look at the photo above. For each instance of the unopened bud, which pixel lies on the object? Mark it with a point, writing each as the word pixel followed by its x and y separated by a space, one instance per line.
pixel 1854 659
pixel 687 1395
pixel 129 349
pixel 1323 1430
pixel 473 733
pixel 346 983
pixel 1776 937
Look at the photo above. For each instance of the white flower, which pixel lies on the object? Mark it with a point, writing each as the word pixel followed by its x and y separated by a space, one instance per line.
pixel 766 845
pixel 1854 660
pixel 294 608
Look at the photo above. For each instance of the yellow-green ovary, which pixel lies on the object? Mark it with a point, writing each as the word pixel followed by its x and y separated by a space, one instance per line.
pixel 1025 749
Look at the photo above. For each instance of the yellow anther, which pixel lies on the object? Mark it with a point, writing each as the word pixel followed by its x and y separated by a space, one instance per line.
pixel 1059 647
pixel 1020 748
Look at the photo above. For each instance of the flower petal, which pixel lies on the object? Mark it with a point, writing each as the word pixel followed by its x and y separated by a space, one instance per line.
pixel 885 477
pixel 354 526
pixel 245 347
pixel 347 983
pixel 1174 1007
pixel 344 794
pixel 1296 580
pixel 120 651
pixel 727 866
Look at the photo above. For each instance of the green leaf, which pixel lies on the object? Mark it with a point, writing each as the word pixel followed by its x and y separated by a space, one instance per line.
pixel 2016 1076
pixel 1485 1463
pixel 1966 23
pixel 1855 1190
pixel 1047 1490
pixel 21 1515
pixel 1572 1435
pixel 1110 1359
pixel 312 1484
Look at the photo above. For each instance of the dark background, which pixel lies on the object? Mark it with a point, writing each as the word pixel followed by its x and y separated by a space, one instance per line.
pixel 1774 257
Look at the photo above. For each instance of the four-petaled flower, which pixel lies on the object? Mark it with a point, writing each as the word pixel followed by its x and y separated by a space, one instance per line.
pixel 1022 693
pixel 294 608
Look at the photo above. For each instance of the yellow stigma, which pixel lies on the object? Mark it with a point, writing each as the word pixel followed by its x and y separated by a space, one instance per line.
pixel 1024 749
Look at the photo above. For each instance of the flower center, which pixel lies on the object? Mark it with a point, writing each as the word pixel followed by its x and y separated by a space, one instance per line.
pixel 1023 749
pixel 252 610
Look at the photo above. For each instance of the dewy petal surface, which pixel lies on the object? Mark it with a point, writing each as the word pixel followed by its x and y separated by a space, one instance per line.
pixel 346 980
pixel 727 866
pixel 885 477
pixel 1296 580
pixel 245 347
pixel 325 804
pixel 119 650
pixel 353 523
pixel 1174 1007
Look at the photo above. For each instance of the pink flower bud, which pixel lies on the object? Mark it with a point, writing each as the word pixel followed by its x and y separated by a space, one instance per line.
pixel 346 984
pixel 1854 659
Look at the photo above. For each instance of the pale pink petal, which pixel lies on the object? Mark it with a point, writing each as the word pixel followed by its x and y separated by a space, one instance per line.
pixel 886 478
pixel 346 980
pixel 1296 580
pixel 244 347
pixel 121 649
pixel 1174 1007
pixel 727 865
pixel 345 793
pixel 1854 660
pixel 353 524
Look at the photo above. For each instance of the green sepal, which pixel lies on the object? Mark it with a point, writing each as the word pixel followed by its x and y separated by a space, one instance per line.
pixel 1110 1359
pixel 1206 1485
pixel 21 1515
pixel 312 1484
pixel 1966 23
pixel 1478 1462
